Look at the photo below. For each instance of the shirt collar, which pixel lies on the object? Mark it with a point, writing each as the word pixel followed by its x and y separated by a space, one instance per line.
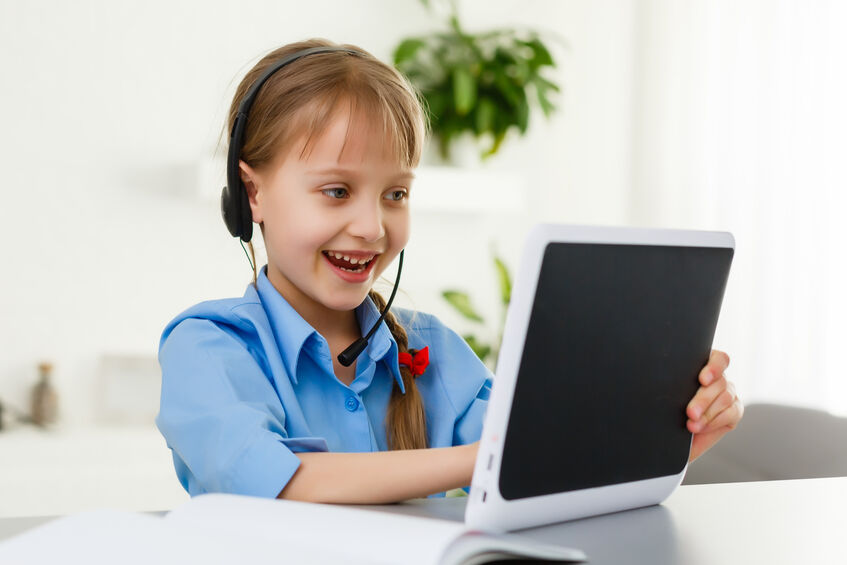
pixel 298 333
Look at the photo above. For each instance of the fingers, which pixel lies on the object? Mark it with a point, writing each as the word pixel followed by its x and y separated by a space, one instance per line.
pixel 714 369
pixel 723 400
pixel 713 382
pixel 723 409
pixel 728 419
pixel 715 406
pixel 705 397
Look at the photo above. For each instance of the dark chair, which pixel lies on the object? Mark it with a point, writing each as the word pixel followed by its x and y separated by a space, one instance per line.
pixel 774 442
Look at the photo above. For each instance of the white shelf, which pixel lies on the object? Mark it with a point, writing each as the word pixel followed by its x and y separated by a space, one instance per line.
pixel 51 472
pixel 453 189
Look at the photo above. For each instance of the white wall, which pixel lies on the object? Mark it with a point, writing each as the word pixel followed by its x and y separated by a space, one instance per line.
pixel 112 112
pixel 740 127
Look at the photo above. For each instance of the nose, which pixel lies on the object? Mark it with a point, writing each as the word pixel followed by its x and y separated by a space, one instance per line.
pixel 367 221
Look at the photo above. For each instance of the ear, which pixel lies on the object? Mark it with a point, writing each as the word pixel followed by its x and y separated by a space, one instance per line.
pixel 252 183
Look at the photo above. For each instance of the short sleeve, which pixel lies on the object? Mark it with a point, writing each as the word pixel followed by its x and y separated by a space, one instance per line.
pixel 467 381
pixel 469 423
pixel 221 416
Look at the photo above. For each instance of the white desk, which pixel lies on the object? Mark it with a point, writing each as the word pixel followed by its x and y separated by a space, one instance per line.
pixel 773 523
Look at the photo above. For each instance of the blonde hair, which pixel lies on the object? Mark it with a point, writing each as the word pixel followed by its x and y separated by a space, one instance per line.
pixel 300 99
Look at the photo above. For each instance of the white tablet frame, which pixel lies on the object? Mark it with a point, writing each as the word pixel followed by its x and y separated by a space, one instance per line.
pixel 486 508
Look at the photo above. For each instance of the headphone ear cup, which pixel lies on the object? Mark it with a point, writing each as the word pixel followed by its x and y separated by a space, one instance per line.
pixel 235 209
pixel 226 212
pixel 246 220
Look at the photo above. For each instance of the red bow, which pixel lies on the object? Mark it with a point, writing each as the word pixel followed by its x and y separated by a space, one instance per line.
pixel 416 361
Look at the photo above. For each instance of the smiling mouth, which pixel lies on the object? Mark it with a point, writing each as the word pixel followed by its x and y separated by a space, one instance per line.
pixel 347 263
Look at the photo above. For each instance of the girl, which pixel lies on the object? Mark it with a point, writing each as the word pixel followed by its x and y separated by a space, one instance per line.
pixel 254 399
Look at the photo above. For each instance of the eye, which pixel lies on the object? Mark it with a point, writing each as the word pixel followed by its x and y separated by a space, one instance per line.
pixel 397 195
pixel 336 193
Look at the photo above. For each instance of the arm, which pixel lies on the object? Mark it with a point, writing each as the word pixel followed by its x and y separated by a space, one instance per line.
pixel 381 477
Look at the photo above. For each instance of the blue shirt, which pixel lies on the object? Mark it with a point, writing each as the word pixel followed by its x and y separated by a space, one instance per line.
pixel 247 383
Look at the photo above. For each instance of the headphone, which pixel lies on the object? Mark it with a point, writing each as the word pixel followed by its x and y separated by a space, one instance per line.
pixel 235 207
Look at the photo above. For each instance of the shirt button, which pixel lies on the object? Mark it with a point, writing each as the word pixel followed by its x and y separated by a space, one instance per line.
pixel 352 404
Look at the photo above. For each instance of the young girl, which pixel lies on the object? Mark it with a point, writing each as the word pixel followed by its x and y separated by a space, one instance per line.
pixel 254 399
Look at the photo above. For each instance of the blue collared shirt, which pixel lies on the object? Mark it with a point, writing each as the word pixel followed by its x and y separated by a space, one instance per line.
pixel 247 383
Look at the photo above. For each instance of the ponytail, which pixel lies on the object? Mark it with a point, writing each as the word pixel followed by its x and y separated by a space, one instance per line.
pixel 405 420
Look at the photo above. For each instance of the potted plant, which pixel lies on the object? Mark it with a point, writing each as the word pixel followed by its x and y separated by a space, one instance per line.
pixel 479 84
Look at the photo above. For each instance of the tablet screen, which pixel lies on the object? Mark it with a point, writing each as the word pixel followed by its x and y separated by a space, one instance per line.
pixel 616 339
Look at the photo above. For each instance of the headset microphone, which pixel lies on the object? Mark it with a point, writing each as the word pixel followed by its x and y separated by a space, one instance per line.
pixel 349 355
pixel 235 207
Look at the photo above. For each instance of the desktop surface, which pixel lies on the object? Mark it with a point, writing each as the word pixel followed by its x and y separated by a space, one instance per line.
pixel 773 522
pixel 768 522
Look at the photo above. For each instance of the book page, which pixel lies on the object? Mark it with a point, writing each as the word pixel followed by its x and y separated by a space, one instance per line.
pixel 475 548
pixel 106 537
pixel 324 531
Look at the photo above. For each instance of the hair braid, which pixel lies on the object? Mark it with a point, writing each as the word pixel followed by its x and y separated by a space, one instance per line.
pixel 406 419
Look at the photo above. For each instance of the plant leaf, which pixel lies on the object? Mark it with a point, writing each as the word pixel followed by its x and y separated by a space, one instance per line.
pixel 437 102
pixel 522 113
pixel 464 90
pixel 546 106
pixel 542 55
pixel 484 115
pixel 544 84
pixel 462 303
pixel 499 136
pixel 407 49
pixel 505 281
pixel 507 89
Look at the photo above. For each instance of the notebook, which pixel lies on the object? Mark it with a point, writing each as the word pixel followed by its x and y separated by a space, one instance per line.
pixel 605 335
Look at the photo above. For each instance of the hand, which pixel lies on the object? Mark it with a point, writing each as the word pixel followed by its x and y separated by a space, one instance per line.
pixel 715 408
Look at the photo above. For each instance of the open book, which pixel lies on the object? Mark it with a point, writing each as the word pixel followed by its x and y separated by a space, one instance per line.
pixel 223 528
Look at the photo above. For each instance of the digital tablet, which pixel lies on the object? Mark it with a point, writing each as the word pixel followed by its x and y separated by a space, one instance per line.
pixel 606 333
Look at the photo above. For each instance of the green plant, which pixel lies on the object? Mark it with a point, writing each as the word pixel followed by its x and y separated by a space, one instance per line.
pixel 461 302
pixel 477 83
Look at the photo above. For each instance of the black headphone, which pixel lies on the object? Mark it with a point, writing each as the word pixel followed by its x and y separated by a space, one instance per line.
pixel 235 207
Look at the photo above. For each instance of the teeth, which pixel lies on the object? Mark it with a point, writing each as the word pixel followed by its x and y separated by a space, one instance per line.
pixel 354 261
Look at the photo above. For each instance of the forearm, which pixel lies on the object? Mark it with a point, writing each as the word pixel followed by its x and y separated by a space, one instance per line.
pixel 380 477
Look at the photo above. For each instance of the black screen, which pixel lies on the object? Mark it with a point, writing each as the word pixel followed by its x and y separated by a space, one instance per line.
pixel 616 339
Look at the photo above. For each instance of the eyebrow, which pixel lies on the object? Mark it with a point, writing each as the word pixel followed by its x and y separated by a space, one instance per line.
pixel 343 170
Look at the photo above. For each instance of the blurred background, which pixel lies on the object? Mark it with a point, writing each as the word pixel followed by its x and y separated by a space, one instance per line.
pixel 722 115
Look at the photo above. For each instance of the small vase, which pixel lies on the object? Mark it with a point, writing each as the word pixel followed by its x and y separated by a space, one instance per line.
pixel 45 400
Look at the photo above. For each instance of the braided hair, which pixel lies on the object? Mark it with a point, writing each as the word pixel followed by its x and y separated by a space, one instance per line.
pixel 406 419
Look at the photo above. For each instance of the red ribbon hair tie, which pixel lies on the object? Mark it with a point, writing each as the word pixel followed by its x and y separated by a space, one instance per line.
pixel 416 361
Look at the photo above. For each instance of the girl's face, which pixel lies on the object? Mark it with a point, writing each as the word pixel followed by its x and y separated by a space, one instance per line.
pixel 344 199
